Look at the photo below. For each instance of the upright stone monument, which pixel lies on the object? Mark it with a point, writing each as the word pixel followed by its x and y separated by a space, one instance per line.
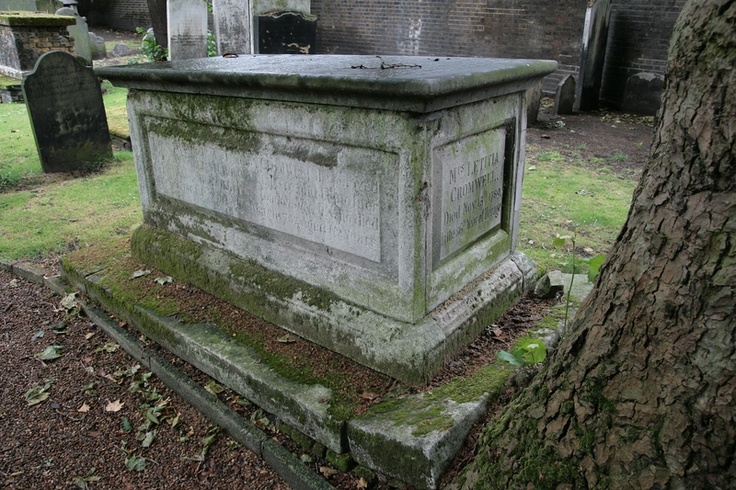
pixel 592 54
pixel 187 29
pixel 565 96
pixel 79 31
pixel 233 26
pixel 369 204
pixel 67 114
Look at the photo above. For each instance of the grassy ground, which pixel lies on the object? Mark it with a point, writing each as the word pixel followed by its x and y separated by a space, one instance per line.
pixel 55 213
pixel 563 198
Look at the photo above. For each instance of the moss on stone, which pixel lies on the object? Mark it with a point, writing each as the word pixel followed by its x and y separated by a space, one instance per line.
pixel 428 412
pixel 33 19
pixel 341 462
pixel 114 262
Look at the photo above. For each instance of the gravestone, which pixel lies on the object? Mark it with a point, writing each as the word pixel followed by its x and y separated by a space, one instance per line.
pixel 286 32
pixel 369 204
pixel 99 50
pixel 642 94
pixel 187 29
pixel 592 54
pixel 533 101
pixel 233 26
pixel 79 32
pixel 565 96
pixel 67 114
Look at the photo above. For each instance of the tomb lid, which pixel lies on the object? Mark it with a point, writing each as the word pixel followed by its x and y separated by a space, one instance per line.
pixel 30 19
pixel 410 83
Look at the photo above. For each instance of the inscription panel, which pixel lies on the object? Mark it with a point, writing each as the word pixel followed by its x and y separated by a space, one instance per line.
pixel 471 190
pixel 316 191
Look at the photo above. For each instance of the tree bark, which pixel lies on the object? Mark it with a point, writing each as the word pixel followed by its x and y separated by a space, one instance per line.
pixel 641 391
pixel 157 11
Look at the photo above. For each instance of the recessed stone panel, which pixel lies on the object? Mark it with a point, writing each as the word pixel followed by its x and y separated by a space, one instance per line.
pixel 471 202
pixel 312 190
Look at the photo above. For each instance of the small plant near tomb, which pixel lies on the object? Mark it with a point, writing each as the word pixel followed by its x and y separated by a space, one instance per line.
pixel 594 264
pixel 153 50
pixel 527 352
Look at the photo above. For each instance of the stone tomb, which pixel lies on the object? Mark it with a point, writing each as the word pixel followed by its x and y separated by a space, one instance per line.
pixel 67 114
pixel 368 204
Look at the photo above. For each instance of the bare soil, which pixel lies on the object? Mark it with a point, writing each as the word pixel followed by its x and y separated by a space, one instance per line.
pixel 89 424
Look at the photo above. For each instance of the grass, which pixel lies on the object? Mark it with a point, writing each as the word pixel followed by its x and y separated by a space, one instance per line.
pixel 50 213
pixel 562 197
pixel 72 213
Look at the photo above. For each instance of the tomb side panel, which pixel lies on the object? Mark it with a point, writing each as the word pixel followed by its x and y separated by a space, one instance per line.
pixel 360 169
pixel 476 172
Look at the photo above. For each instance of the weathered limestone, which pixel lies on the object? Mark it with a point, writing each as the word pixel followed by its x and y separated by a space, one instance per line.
pixel 187 29
pixel 79 32
pixel 367 204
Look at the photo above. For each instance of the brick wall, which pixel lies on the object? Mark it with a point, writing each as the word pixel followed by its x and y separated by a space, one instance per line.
pixel 638 37
pixel 638 40
pixel 22 46
pixel 492 28
pixel 124 15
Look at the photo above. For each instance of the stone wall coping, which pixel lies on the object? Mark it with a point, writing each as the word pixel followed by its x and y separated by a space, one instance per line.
pixel 412 83
pixel 30 19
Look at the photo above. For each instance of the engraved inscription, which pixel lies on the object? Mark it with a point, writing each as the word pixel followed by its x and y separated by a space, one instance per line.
pixel 472 189
pixel 338 205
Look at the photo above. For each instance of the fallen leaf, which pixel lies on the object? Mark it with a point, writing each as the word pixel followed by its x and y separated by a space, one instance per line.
pixel 38 393
pixel 148 438
pixel 84 408
pixel 286 339
pixel 134 463
pixel 70 302
pixel 327 471
pixel 368 396
pixel 361 483
pixel 110 346
pixel 214 388
pixel 139 273
pixel 49 353
pixel 115 406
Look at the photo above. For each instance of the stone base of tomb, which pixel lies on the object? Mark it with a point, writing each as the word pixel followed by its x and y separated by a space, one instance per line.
pixel 412 353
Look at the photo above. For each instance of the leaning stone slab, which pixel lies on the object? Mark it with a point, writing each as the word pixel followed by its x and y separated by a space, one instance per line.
pixel 67 114
pixel 565 96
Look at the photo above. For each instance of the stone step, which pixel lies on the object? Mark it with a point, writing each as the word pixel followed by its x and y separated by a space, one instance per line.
pixel 412 438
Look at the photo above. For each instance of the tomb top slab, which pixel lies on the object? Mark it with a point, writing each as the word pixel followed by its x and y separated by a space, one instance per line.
pixel 412 83
pixel 30 19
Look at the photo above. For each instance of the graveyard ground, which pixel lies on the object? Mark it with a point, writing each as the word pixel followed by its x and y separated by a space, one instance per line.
pixel 94 419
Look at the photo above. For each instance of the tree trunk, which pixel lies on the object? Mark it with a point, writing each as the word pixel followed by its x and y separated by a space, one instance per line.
pixel 641 391
pixel 157 11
